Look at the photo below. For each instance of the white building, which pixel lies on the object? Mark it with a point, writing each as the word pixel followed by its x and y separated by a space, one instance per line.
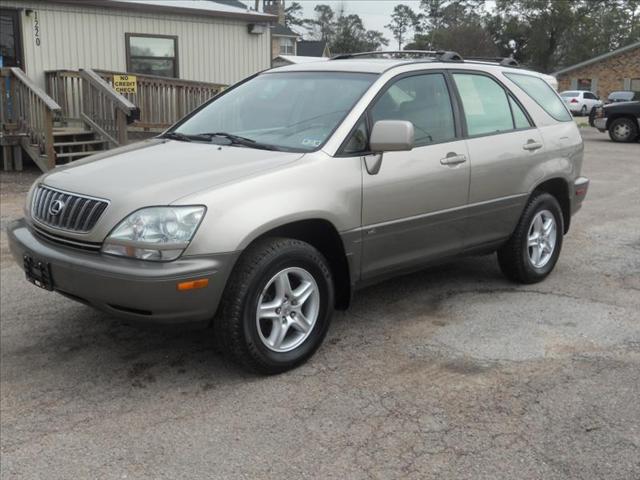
pixel 203 40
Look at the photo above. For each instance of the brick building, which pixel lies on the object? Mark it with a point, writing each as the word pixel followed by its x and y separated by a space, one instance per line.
pixel 616 70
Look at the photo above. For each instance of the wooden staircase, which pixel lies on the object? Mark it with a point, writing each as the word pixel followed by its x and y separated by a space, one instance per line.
pixel 75 143
pixel 32 121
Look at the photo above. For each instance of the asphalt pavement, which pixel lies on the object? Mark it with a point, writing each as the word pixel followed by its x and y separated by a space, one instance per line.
pixel 450 373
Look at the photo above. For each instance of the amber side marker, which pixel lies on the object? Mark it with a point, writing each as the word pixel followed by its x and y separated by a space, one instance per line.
pixel 193 284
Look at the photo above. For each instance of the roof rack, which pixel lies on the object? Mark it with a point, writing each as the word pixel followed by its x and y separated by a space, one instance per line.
pixel 504 61
pixel 440 55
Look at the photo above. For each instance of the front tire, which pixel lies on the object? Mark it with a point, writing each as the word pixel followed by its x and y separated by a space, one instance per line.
pixel 277 306
pixel 623 130
pixel 533 250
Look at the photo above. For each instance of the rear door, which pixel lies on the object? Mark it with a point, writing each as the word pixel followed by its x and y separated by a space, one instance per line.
pixel 503 146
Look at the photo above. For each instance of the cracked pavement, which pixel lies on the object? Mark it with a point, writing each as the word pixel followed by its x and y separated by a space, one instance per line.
pixel 450 373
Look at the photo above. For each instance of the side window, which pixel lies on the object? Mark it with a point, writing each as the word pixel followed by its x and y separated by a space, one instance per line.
pixel 520 120
pixel 422 100
pixel 485 103
pixel 542 93
pixel 359 140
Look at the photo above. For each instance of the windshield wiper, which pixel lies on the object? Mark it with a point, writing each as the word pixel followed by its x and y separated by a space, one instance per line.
pixel 238 140
pixel 183 137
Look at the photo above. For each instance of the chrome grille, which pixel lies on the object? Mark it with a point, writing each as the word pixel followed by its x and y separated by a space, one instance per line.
pixel 66 211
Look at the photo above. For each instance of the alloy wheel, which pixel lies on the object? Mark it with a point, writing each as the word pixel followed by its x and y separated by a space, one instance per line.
pixel 541 239
pixel 288 309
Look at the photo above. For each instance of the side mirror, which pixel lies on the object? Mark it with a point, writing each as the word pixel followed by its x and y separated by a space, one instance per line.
pixel 392 136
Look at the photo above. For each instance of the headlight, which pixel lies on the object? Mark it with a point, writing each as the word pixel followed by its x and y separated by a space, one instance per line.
pixel 155 233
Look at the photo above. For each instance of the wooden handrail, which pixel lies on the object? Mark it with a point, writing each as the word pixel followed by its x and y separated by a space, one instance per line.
pixel 161 79
pixel 118 100
pixel 162 101
pixel 31 113
pixel 46 99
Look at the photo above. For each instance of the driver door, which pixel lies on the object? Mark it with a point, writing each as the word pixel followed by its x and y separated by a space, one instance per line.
pixel 414 206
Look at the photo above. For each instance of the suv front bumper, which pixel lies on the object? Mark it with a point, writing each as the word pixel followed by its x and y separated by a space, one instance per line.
pixel 128 288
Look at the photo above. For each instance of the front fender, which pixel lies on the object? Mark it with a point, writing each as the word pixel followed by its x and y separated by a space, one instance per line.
pixel 316 187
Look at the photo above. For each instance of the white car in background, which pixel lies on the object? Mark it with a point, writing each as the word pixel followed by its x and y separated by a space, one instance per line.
pixel 580 102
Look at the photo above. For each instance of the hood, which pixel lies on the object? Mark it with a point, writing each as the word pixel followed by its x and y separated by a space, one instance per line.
pixel 625 103
pixel 160 171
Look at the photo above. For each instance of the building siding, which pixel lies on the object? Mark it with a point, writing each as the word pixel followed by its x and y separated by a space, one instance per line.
pixel 210 49
pixel 608 75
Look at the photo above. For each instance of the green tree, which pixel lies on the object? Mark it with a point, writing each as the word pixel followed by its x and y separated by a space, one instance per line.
pixel 403 21
pixel 293 15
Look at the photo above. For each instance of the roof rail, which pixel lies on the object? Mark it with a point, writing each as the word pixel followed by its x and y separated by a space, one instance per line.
pixel 504 61
pixel 440 55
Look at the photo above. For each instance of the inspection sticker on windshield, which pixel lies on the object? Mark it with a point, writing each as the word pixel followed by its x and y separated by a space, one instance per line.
pixel 311 141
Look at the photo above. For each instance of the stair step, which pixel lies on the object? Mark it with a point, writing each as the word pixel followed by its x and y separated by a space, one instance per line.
pixel 78 143
pixel 59 132
pixel 78 154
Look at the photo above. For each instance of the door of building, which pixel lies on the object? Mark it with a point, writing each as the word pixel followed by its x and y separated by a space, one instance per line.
pixel 10 39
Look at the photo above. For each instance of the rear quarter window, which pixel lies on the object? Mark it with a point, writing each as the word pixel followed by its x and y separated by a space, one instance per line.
pixel 542 93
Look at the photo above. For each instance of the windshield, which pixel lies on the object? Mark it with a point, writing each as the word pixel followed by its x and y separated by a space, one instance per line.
pixel 621 96
pixel 569 94
pixel 290 111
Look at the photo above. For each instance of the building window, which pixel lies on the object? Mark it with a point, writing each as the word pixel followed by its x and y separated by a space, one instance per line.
pixel 635 85
pixel 152 54
pixel 287 46
pixel 584 84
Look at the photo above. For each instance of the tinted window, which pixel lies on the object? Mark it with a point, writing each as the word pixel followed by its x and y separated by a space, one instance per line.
pixel 590 96
pixel 485 103
pixel 520 120
pixel 543 94
pixel 358 141
pixel 422 100
pixel 569 94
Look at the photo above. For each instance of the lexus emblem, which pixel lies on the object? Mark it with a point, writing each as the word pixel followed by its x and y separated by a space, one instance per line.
pixel 56 207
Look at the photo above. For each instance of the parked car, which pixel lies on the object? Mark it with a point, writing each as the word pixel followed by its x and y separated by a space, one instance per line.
pixel 623 96
pixel 580 102
pixel 266 208
pixel 621 120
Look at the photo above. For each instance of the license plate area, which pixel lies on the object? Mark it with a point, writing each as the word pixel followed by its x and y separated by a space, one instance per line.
pixel 38 272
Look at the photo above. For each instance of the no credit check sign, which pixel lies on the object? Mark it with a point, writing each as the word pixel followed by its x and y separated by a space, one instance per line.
pixel 125 83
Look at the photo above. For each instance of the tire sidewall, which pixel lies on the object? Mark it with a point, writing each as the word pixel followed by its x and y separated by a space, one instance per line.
pixel 292 258
pixel 542 202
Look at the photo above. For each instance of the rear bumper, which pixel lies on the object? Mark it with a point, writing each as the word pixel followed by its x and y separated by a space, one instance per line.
pixel 128 288
pixel 578 193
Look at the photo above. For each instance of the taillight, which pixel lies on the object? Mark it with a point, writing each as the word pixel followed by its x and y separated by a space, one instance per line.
pixel 573 100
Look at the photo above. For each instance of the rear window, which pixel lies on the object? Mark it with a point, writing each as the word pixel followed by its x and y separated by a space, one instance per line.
pixel 569 94
pixel 542 94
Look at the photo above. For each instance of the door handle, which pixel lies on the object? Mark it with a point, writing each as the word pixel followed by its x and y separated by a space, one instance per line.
pixel 532 145
pixel 453 158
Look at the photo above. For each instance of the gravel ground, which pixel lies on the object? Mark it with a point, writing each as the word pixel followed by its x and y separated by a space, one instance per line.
pixel 450 373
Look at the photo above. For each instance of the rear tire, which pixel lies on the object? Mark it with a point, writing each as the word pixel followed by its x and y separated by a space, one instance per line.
pixel 531 254
pixel 583 111
pixel 267 323
pixel 623 130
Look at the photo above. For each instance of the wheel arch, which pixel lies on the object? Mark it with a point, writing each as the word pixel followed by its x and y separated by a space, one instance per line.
pixel 559 188
pixel 323 236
